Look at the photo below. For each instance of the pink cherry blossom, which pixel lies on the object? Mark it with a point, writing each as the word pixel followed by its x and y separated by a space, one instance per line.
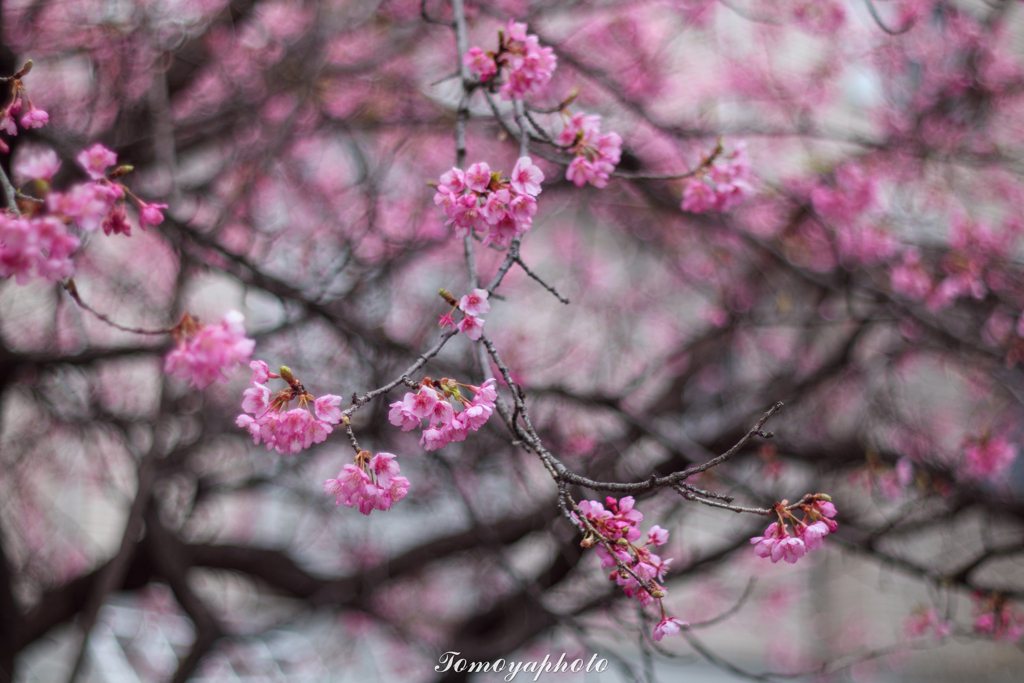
pixel 256 400
pixel 478 177
pixel 150 214
pixel 422 404
pixel 260 372
pixel 472 327
pixel 480 63
pixel 116 222
pixel 812 535
pixel 657 536
pixel 204 352
pixel 95 161
pixel 35 118
pixel 36 164
pixel 526 177
pixel 668 626
pixel 475 303
pixel 87 204
pixel 698 197
pixel 789 549
pixel 764 545
pixel 328 408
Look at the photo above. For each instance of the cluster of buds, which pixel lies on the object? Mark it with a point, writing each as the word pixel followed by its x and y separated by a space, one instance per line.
pixel 722 184
pixel 528 65
pixel 472 305
pixel 618 524
pixel 596 155
pixel 997 618
pixel 501 208
pixel 372 483
pixel 779 543
pixel 436 401
pixel 269 418
pixel 203 352
pixel 17 101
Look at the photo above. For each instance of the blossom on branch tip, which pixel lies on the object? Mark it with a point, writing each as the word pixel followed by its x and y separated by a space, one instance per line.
pixel 437 401
pixel 779 544
pixel 478 200
pixel 528 66
pixel 668 626
pixel 370 484
pixel 35 118
pixel 150 214
pixel 596 155
pixel 721 185
pixel 269 419
pixel 204 352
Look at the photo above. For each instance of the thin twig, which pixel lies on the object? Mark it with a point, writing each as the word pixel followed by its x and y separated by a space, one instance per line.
pixel 543 284
pixel 72 291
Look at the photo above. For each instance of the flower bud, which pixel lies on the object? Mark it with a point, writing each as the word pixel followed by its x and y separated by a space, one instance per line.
pixel 658 594
pixel 286 374
pixel 123 169
pixel 622 541
pixel 588 541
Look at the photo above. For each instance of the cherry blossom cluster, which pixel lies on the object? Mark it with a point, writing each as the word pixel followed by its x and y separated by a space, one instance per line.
pixel 19 103
pixel 971 267
pixel 204 352
pixel 436 401
pixel 528 66
pixel 618 523
pixel 372 483
pixel 501 208
pixel 596 155
pixel 472 306
pixel 36 246
pixel 40 243
pixel 987 457
pixel 101 202
pixel 270 419
pixel 779 543
pixel 721 185
pixel 997 618
pixel 846 204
